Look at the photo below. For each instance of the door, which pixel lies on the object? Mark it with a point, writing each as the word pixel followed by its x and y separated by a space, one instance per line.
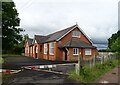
pixel 35 51
pixel 65 54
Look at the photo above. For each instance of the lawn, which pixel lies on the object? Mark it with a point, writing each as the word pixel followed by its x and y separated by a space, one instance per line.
pixel 10 55
pixel 88 75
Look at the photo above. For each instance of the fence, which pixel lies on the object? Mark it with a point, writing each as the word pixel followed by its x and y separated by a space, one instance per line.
pixel 101 58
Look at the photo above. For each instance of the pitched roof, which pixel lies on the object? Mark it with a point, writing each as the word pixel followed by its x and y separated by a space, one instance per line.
pixel 29 40
pixel 58 34
pixel 40 38
pixel 74 43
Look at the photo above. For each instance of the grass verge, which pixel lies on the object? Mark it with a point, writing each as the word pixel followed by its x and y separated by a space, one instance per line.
pixel 88 75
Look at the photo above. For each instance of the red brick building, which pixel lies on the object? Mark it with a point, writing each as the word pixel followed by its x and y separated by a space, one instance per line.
pixel 65 44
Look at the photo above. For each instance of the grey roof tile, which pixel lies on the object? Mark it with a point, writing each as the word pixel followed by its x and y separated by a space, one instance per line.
pixel 40 39
pixel 53 36
pixel 58 34
pixel 74 43
pixel 29 40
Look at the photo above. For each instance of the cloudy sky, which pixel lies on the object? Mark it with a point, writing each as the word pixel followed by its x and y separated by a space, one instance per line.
pixel 97 18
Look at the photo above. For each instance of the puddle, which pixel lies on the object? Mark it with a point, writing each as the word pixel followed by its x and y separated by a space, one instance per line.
pixel 114 73
pixel 104 82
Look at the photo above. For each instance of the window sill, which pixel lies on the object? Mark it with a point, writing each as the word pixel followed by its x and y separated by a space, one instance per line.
pixel 76 36
pixel 75 54
pixel 89 55
pixel 51 54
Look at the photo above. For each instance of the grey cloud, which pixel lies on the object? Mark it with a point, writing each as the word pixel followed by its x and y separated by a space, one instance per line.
pixel 97 19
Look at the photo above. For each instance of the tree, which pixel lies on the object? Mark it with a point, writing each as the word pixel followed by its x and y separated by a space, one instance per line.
pixel 19 48
pixel 116 45
pixel 10 21
pixel 114 42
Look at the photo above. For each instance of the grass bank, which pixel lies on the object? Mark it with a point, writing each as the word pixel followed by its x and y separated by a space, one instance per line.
pixel 90 75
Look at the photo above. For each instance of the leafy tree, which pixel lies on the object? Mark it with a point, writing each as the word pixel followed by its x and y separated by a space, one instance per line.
pixel 10 22
pixel 114 42
pixel 116 45
pixel 19 48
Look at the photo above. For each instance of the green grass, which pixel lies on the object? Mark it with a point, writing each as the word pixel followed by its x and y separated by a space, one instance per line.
pixel 1 60
pixel 10 55
pixel 88 75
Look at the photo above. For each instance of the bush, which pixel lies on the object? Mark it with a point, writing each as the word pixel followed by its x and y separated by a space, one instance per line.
pixel 111 64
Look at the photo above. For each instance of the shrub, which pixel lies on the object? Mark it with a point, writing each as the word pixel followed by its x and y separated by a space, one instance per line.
pixel 110 64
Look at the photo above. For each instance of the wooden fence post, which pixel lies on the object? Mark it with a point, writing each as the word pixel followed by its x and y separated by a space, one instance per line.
pixel 94 60
pixel 79 64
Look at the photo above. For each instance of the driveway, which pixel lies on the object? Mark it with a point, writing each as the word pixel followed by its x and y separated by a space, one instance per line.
pixel 34 77
pixel 15 62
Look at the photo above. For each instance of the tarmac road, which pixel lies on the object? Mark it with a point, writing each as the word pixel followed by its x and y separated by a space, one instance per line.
pixel 15 62
pixel 33 77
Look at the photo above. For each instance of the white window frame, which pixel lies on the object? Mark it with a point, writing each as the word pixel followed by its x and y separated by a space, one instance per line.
pixel 31 49
pixel 88 51
pixel 28 49
pixel 75 51
pixel 36 49
pixel 45 48
pixel 51 47
pixel 74 34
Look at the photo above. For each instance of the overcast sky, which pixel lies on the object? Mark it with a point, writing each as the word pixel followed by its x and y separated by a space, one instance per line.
pixel 97 18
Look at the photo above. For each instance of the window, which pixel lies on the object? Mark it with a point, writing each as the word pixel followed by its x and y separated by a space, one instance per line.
pixel 60 42
pixel 75 51
pixel 36 49
pixel 75 34
pixel 45 48
pixel 25 50
pixel 52 48
pixel 88 52
pixel 30 49
pixel 33 49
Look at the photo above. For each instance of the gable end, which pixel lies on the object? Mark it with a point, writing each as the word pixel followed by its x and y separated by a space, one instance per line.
pixel 80 30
